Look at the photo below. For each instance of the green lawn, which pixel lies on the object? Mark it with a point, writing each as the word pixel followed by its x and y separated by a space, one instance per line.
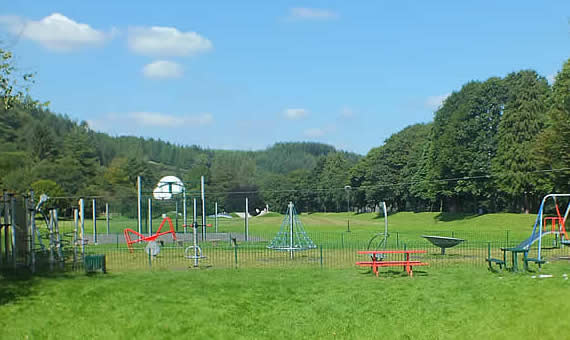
pixel 438 303
pixel 409 225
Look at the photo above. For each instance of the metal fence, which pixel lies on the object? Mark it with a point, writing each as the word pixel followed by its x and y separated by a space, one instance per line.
pixel 333 250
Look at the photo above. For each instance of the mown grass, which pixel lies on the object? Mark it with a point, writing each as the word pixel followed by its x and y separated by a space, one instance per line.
pixel 408 225
pixel 443 303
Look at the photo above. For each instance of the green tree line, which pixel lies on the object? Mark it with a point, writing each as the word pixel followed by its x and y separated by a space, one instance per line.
pixel 494 145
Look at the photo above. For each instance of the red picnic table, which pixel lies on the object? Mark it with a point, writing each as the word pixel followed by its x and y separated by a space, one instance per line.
pixel 379 262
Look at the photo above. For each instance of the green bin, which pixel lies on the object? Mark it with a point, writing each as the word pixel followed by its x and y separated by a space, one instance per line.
pixel 94 263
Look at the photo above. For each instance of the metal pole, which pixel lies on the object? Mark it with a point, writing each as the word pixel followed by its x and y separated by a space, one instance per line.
pixel 107 218
pixel 82 219
pixel 13 228
pixel 347 189
pixel 75 227
pixel 291 229
pixel 51 243
pixel 139 204
pixel 5 222
pixel 58 238
pixel 203 207
pixel 33 230
pixel 216 216
pixel 385 224
pixel 184 210
pixel 194 215
pixel 94 222
pixel 149 216
pixel 194 232
pixel 5 204
pixel 176 211
pixel 540 214
pixel 246 220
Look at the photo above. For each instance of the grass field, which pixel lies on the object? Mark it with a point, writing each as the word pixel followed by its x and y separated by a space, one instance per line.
pixel 321 294
pixel 445 303
pixel 408 224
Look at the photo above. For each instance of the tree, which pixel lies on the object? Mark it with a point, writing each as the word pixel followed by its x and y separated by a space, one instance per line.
pixel 523 119
pixel 11 91
pixel 464 143
pixel 385 174
pixel 551 149
pixel 333 179
pixel 41 141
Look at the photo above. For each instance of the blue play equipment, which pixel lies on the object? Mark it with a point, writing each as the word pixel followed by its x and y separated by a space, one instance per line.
pixel 539 230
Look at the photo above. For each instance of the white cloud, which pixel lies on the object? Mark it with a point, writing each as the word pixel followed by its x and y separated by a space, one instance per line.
pixel 295 113
pixel 166 41
pixel 314 132
pixel 150 120
pixel 551 78
pixel 56 32
pixel 304 13
pixel 162 69
pixel 435 102
pixel 155 119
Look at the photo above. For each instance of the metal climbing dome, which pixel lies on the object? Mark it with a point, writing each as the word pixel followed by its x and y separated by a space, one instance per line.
pixel 291 236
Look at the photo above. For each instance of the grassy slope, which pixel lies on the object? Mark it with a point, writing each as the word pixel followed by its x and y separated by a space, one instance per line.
pixel 445 303
pixel 410 223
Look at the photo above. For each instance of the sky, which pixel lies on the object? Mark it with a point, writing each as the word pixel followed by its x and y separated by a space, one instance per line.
pixel 247 74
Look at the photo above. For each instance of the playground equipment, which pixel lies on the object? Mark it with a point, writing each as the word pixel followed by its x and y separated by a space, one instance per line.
pixel 194 252
pixel 291 236
pixel 27 244
pixel 171 189
pixel 152 246
pixel 443 242
pixel 539 230
pixel 60 245
pixel 382 236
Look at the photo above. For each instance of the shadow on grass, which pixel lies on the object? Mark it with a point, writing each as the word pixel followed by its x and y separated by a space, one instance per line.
pixel 449 217
pixel 393 273
pixel 15 285
pixel 380 215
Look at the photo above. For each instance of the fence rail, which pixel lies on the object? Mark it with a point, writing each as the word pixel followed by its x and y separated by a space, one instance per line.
pixel 229 250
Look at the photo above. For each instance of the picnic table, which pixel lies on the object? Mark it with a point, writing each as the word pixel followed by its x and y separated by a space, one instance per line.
pixel 514 258
pixel 378 261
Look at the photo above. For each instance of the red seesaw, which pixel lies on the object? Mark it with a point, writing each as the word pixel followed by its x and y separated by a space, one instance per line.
pixel 150 238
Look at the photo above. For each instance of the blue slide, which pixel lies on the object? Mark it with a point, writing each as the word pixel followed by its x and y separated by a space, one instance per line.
pixel 533 238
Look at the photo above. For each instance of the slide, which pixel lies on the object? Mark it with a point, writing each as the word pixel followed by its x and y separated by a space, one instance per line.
pixel 533 238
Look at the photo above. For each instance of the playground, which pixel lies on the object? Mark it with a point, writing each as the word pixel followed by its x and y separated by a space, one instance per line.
pixel 282 273
pixel 37 238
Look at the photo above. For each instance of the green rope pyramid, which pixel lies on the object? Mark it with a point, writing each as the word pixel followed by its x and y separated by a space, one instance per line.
pixel 291 236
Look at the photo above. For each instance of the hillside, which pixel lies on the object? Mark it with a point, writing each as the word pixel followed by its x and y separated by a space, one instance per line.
pixel 68 158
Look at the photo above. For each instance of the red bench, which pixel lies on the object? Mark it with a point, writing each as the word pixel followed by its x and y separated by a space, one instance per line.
pixel 407 264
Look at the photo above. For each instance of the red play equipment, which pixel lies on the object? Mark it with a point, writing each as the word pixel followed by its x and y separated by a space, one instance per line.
pixel 150 238
pixel 559 219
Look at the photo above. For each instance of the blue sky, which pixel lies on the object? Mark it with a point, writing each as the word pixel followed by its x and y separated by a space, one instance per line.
pixel 247 74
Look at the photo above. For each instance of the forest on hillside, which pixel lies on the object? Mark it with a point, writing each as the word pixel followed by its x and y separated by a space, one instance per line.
pixel 493 145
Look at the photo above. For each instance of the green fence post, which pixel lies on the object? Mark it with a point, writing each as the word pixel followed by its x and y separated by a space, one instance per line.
pixel 149 259
pixel 342 240
pixel 321 247
pixel 507 237
pixel 117 241
pixel 397 239
pixel 235 255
